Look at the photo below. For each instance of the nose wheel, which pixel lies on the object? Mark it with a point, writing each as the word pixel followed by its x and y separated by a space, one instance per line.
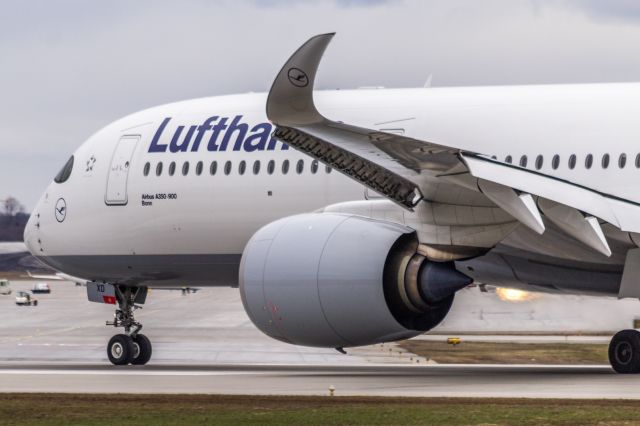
pixel 131 347
pixel 624 352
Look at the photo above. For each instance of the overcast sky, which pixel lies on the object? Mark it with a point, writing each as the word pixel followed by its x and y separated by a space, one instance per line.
pixel 69 67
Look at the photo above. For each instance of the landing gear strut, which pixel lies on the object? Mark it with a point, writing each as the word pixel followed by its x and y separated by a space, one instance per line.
pixel 624 352
pixel 130 347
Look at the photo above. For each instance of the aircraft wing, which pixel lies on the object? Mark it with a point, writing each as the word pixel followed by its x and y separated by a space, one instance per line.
pixel 58 276
pixel 51 277
pixel 384 162
pixel 184 290
pixel 407 170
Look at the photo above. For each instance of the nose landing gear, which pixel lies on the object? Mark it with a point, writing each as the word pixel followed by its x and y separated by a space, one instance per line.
pixel 130 347
pixel 624 352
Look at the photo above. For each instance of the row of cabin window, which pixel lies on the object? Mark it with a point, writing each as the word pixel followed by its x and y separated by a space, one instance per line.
pixel 242 167
pixel 573 159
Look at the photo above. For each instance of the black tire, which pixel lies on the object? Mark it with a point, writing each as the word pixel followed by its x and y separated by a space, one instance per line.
pixel 143 350
pixel 120 349
pixel 624 352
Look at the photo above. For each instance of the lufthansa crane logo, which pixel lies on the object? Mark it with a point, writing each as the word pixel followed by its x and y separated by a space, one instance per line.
pixel 61 210
pixel 297 77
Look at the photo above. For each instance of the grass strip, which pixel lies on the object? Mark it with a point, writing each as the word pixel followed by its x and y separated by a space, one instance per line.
pixel 72 409
pixel 508 353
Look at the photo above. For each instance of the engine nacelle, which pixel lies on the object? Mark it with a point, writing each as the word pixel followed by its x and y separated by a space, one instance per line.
pixel 333 280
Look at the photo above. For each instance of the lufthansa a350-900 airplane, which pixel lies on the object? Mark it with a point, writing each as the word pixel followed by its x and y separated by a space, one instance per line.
pixel 350 218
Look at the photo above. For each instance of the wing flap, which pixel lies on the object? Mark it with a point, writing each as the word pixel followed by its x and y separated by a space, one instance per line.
pixel 622 214
pixel 585 229
pixel 520 206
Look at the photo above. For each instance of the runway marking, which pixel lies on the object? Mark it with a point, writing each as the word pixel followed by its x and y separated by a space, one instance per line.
pixel 128 372
pixel 75 345
pixel 346 365
pixel 290 368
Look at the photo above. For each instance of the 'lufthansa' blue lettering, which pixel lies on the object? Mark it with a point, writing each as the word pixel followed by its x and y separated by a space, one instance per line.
pixel 156 146
pixel 216 134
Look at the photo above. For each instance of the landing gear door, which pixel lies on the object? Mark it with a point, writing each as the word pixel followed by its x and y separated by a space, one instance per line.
pixel 119 171
pixel 101 293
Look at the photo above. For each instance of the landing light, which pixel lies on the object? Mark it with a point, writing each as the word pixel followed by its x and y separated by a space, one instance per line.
pixel 513 295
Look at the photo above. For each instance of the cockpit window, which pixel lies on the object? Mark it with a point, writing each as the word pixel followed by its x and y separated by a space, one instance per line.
pixel 64 174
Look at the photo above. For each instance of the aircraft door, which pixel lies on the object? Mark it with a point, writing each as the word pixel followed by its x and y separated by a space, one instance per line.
pixel 116 194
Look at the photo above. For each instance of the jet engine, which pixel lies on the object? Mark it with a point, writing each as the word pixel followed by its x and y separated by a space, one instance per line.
pixel 333 280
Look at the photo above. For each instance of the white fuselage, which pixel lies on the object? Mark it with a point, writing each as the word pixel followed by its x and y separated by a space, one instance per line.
pixel 120 221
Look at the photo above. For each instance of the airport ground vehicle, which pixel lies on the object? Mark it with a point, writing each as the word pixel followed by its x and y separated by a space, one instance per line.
pixel 25 299
pixel 358 226
pixel 41 288
pixel 5 287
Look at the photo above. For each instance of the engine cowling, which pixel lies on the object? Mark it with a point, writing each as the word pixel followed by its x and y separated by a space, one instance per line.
pixel 333 280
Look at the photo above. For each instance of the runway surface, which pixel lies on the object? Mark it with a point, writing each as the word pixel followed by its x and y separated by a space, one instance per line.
pixel 205 343
pixel 375 380
pixel 209 327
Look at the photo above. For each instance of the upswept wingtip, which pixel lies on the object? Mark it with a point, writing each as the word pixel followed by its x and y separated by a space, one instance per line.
pixel 290 100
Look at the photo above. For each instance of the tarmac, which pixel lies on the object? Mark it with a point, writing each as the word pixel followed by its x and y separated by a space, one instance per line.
pixel 598 382
pixel 208 327
pixel 205 343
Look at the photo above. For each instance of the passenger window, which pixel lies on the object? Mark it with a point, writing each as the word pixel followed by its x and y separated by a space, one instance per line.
pixel 508 159
pixel 605 161
pixel 227 167
pixel 300 166
pixel 622 161
pixel 64 174
pixel 638 161
pixel 555 162
pixel 271 167
pixel 572 161
pixel 199 168
pixel 539 162
pixel 285 167
pixel 172 168
pixel 256 167
pixel 159 169
pixel 328 169
pixel 314 166
pixel 588 161
pixel 147 168
pixel 213 168
pixel 523 161
pixel 185 168
pixel 242 167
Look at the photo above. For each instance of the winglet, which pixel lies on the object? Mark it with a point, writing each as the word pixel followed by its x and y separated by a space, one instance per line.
pixel 290 101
